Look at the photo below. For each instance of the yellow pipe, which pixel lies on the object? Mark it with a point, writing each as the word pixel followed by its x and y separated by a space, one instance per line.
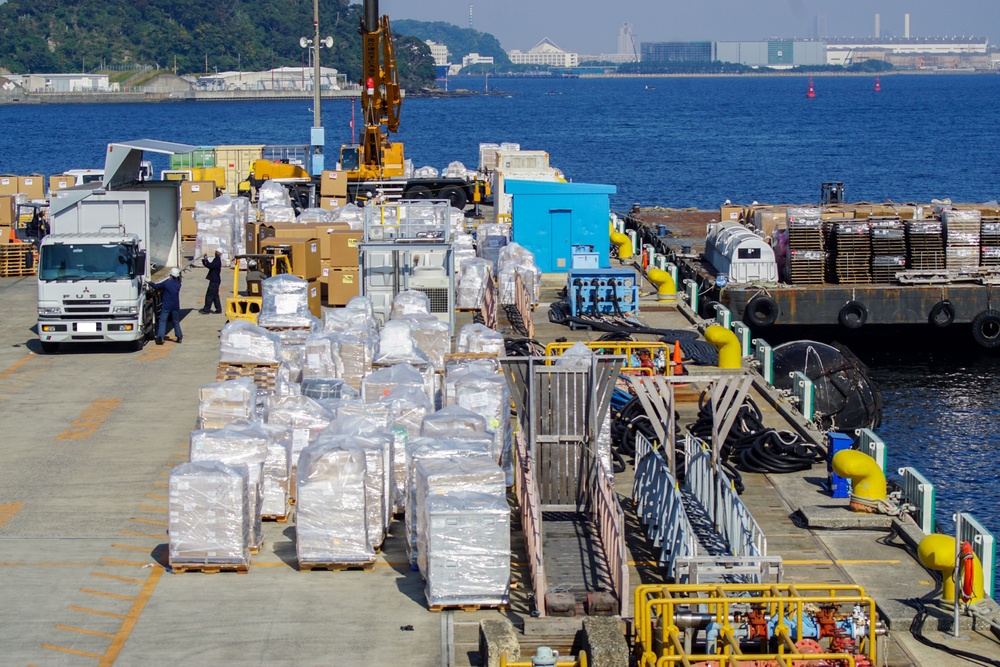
pixel 937 552
pixel 666 290
pixel 867 479
pixel 623 242
pixel 730 351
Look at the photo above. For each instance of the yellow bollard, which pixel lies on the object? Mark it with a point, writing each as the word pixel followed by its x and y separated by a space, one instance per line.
pixel 937 552
pixel 867 479
pixel 730 351
pixel 666 290
pixel 623 242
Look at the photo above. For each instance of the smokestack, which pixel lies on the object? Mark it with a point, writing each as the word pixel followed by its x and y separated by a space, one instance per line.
pixel 878 26
pixel 906 26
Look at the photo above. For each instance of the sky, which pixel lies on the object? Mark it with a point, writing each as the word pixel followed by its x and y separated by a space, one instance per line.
pixel 591 26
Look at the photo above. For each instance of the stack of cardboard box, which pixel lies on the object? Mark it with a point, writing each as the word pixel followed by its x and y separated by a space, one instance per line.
pixel 302 246
pixel 8 214
pixel 193 192
pixel 333 190
pixel 60 182
pixel 340 270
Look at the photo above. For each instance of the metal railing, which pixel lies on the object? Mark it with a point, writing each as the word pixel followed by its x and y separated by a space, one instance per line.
pixel 983 544
pixel 919 492
pixel 660 507
pixel 763 354
pixel 659 353
pixel 424 222
pixel 803 390
pixel 610 520
pixel 736 569
pixel 691 290
pixel 872 445
pixel 723 316
pixel 742 332
pixel 531 520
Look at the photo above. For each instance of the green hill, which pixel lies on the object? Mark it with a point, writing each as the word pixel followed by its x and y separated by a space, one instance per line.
pixel 460 41
pixel 70 35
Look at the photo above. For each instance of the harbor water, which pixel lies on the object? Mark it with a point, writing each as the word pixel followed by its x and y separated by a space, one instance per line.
pixel 677 142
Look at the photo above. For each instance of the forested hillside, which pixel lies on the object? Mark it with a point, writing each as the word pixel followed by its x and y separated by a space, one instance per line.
pixel 460 41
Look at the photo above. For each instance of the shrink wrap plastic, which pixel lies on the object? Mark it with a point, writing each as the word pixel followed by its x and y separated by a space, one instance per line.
pixel 468 549
pixel 407 408
pixel 432 338
pixel 410 302
pixel 493 229
pixel 285 302
pixel 220 224
pixel 208 514
pixel 315 216
pixel 576 355
pixel 488 396
pixel 362 303
pixel 287 379
pixel 397 346
pixel 304 416
pixel 479 338
pixel 459 256
pixel 292 350
pixel 322 359
pixel 356 349
pixel 221 403
pixel 347 319
pixel 351 214
pixel 418 449
pixel 471 288
pixel 363 417
pixel 272 193
pixel 277 468
pixel 378 504
pixel 330 512
pixel 452 419
pixel 235 447
pixel 278 214
pixel 382 381
pixel 456 220
pixel 244 342
pixel 456 170
pixel 458 371
pixel 425 172
pixel 515 258
pixel 436 477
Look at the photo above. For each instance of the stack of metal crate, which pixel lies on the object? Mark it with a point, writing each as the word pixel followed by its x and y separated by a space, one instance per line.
pixel 851 252
pixel 888 248
pixel 961 232
pixel 806 259
pixel 924 245
pixel 989 238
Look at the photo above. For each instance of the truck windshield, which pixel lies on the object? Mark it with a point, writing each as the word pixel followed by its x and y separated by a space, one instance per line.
pixel 110 261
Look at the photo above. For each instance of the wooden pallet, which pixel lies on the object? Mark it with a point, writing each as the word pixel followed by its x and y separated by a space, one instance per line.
pixel 14 260
pixel 209 568
pixel 336 567
pixel 277 518
pixel 263 375
pixel 256 550
pixel 502 606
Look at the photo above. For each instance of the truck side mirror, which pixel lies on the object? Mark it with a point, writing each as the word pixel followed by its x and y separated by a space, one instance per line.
pixel 140 263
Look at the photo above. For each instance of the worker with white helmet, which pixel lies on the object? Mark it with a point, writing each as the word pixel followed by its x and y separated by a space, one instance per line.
pixel 170 306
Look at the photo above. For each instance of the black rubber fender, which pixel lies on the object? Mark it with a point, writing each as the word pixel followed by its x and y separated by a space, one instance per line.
pixel 762 311
pixel 853 315
pixel 942 315
pixel 986 329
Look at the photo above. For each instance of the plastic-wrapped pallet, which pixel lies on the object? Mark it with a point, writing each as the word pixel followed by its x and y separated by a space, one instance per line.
pixel 353 426
pixel 347 318
pixel 455 372
pixel 478 338
pixel 962 230
pixel 292 349
pixel 576 355
pixel 487 395
pixel 432 337
pixel 278 214
pixel 285 302
pixel 352 215
pixel 378 506
pixel 245 343
pixel 397 346
pixel 407 408
pixel 303 415
pixel 410 302
pixel 384 380
pixel 277 470
pixel 287 380
pixel 455 170
pixel 322 358
pixel 314 216
pixel 220 226
pixel 450 420
pixel 356 350
pixel 418 449
pixel 235 447
pixel 471 288
pixel 272 193
pixel 515 258
pixel 425 172
pixel 443 477
pixel 468 549
pixel 221 403
pixel 331 525
pixel 208 515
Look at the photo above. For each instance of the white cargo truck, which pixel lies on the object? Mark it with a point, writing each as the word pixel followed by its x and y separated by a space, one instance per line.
pixel 106 241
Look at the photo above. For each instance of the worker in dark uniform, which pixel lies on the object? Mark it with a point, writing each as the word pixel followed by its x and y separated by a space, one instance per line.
pixel 170 306
pixel 214 278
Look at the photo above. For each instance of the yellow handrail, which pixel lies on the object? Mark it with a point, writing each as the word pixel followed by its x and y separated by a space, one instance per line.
pixel 659 353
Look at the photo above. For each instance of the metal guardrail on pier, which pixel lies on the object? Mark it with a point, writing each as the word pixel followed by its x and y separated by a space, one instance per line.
pixel 873 446
pixel 531 520
pixel 983 544
pixel 919 492
pixel 660 507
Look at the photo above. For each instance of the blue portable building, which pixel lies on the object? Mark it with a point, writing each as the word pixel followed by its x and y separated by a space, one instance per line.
pixel 550 218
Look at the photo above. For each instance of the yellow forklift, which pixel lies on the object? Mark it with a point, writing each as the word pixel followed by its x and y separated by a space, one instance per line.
pixel 246 305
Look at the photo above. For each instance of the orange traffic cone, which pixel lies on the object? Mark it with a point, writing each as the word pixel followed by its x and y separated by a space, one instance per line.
pixel 677 359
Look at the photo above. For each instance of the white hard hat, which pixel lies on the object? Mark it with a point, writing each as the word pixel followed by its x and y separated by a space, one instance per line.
pixel 175 272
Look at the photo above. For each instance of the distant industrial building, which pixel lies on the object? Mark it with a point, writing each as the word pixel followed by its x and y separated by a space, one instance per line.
pixel 281 78
pixel 661 52
pixel 476 59
pixel 544 53
pixel 64 83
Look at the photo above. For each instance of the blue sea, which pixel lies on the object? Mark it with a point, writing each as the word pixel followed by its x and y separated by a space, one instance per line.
pixel 675 142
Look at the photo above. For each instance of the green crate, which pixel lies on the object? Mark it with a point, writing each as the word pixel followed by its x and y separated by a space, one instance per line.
pixel 203 157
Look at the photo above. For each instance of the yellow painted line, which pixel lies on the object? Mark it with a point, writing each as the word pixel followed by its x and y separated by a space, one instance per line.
pixel 155 353
pixel 135 534
pixel 84 564
pixel 8 511
pixel 152 509
pixel 925 583
pixel 88 610
pixel 161 485
pixel 90 419
pixel 150 521
pixel 84 631
pixel 131 548
pixel 16 365
pixel 91 591
pixel 130 620
pixel 823 561
pixel 116 577
pixel 74 651
pixel 117 561
pixel 156 496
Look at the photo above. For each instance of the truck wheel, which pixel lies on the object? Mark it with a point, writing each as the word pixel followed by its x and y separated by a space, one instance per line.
pixel 456 196
pixel 137 345
pixel 48 347
pixel 418 192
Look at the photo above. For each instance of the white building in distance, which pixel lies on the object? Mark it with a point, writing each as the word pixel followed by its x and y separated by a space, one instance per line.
pixel 544 53
pixel 476 59
pixel 280 78
pixel 438 51
pixel 66 83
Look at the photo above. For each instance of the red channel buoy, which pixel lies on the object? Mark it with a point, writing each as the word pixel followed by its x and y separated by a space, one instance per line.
pixel 878 86
pixel 811 93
